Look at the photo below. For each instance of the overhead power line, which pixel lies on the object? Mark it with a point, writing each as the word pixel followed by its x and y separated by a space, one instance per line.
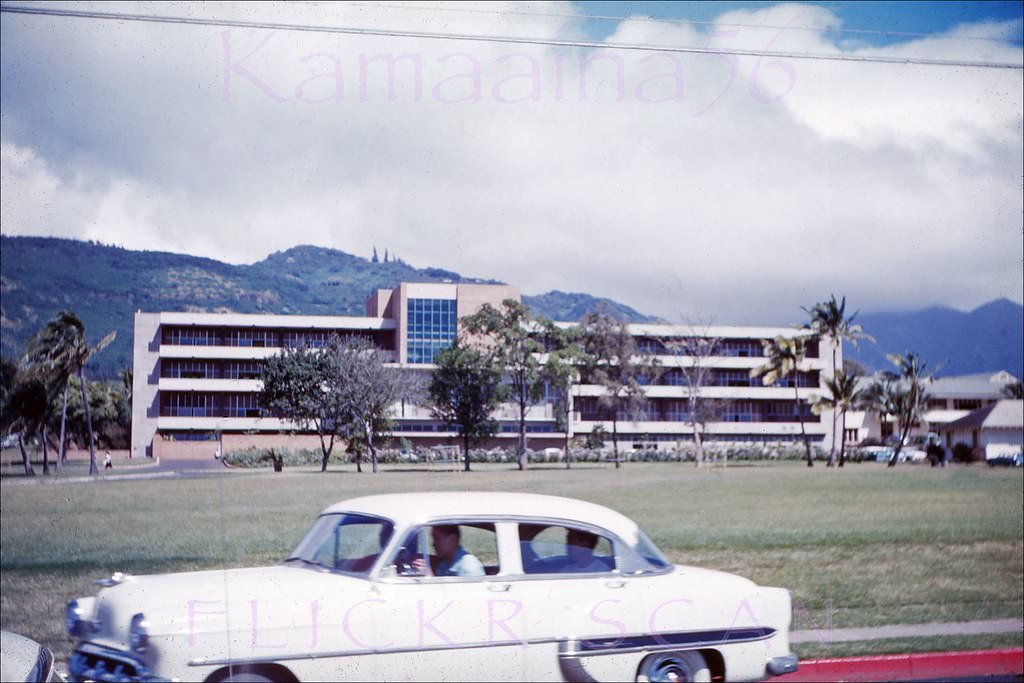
pixel 670 20
pixel 430 35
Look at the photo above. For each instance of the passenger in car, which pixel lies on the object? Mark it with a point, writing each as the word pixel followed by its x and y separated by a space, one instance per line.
pixel 579 546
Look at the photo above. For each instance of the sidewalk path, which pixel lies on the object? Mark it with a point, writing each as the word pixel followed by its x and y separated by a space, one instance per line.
pixel 956 628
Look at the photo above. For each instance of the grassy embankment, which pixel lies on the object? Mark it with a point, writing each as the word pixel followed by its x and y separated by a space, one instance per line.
pixel 865 545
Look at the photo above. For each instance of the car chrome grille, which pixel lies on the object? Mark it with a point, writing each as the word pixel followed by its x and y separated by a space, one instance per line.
pixel 92 663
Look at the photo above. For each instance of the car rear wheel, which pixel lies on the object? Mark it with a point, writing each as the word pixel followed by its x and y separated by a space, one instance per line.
pixel 671 667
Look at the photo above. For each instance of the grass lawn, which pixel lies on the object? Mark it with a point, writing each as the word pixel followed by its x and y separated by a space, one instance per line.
pixel 863 546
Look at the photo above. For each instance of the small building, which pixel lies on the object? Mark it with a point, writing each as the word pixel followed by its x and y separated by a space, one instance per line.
pixel 948 399
pixel 995 430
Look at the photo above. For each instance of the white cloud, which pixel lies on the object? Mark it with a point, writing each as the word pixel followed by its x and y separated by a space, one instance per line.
pixel 734 186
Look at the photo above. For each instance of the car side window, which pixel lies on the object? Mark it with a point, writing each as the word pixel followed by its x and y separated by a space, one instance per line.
pixel 446 550
pixel 557 549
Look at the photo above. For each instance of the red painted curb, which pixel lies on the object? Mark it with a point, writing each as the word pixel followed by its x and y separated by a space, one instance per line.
pixel 925 665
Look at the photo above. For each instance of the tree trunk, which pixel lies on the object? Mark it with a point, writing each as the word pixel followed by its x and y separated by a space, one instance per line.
pixel 521 458
pixel 568 457
pixel 373 449
pixel 465 452
pixel 903 432
pixel 325 449
pixel 615 435
pixel 691 407
pixel 46 452
pixel 93 469
pixel 800 417
pixel 842 443
pixel 29 472
pixel 62 456
pixel 568 422
pixel 832 451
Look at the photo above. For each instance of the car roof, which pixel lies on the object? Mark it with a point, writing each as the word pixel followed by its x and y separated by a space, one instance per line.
pixel 407 509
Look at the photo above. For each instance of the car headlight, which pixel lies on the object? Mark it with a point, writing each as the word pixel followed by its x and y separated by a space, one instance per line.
pixel 76 620
pixel 138 633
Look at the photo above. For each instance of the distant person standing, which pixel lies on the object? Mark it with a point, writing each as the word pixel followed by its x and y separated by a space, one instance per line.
pixel 107 464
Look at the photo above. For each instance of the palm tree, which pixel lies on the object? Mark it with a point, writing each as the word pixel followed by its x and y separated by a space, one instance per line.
pixel 828 319
pixel 844 395
pixel 59 351
pixel 785 356
pixel 910 398
pixel 881 395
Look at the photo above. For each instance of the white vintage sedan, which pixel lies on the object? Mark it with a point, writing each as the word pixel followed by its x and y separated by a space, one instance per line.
pixel 442 586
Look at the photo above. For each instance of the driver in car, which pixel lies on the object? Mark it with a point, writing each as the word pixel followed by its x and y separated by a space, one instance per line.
pixel 451 558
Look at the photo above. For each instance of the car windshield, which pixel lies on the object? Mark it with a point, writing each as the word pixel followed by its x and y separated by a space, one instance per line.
pixel 344 542
pixel 646 549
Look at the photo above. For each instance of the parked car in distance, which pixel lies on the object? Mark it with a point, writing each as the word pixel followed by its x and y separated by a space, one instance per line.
pixel 1006 460
pixel 442 586
pixel 23 659
pixel 876 453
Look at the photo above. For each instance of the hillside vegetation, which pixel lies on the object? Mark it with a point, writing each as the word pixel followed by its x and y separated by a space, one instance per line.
pixel 106 285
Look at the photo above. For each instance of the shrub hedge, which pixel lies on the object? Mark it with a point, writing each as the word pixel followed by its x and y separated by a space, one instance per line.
pixel 253 457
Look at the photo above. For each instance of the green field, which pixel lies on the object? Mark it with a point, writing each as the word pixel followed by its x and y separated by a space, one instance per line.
pixel 865 545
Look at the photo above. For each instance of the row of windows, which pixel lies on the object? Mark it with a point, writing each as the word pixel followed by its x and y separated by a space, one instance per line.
pixel 676 410
pixel 201 369
pixel 177 335
pixel 735 348
pixel 736 378
pixel 196 404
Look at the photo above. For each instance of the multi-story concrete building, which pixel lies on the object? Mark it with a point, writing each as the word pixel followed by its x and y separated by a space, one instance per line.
pixel 197 377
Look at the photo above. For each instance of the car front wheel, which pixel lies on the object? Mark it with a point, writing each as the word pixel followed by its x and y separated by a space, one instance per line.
pixel 671 667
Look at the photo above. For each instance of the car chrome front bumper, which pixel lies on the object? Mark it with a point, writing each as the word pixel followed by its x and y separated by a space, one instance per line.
pixel 786 664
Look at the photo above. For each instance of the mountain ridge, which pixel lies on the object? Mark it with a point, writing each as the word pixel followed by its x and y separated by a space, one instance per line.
pixel 105 285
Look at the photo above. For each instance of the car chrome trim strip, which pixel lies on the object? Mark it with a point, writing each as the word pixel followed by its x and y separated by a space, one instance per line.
pixel 364 653
pixel 657 642
pixel 568 649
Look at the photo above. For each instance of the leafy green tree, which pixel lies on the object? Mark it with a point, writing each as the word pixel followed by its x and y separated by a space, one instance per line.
pixel 615 363
pixel 829 321
pixel 465 389
pixel 25 411
pixel 299 385
pixel 108 414
pixel 844 395
pixel 909 397
pixel 561 371
pixel 367 389
pixel 785 359
pixel 511 332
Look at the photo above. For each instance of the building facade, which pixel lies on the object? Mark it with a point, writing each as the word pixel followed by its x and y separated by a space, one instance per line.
pixel 948 398
pixel 196 380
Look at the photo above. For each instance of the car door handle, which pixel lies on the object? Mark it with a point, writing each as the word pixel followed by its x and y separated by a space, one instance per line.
pixel 499 587
pixel 615 583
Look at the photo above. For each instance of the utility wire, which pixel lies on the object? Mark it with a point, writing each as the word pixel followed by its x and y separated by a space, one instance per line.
pixel 669 20
pixel 280 26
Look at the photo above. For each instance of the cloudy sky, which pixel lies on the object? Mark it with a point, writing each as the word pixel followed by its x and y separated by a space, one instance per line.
pixel 555 148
